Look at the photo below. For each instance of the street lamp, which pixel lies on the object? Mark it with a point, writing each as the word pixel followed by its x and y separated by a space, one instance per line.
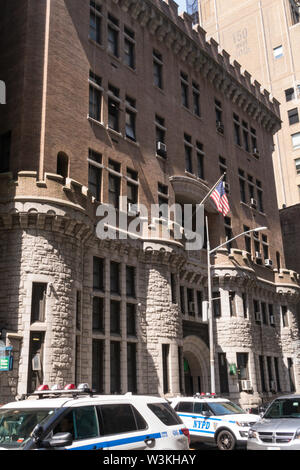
pixel 210 305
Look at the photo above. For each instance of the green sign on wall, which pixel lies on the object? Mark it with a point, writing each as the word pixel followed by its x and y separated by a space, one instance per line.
pixel 6 359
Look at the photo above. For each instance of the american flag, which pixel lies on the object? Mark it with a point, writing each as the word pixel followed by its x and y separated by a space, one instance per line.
pixel 220 199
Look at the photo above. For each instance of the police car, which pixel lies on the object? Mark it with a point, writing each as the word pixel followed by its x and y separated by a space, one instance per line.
pixel 77 418
pixel 214 420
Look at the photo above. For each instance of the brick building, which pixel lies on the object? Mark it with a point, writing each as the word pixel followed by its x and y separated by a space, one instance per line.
pixel 109 100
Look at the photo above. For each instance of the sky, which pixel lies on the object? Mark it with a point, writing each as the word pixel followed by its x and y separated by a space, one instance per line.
pixel 182 4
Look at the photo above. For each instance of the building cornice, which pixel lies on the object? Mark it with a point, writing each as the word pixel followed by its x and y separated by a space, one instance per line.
pixel 189 44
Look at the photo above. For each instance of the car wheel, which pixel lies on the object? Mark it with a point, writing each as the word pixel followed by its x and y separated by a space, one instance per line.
pixel 225 440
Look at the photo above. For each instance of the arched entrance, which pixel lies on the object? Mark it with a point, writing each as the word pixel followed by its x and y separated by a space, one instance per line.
pixel 196 365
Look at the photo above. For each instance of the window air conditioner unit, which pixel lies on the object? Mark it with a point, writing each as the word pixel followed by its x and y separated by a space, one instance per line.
pixel 161 149
pixel 191 307
pixel 258 316
pixel 268 262
pixel 256 152
pixel 220 127
pixel 246 385
pixel 257 255
pixel 253 203
pixel 132 209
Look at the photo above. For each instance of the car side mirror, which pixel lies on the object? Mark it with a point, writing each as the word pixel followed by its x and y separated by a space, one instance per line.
pixel 206 414
pixel 61 439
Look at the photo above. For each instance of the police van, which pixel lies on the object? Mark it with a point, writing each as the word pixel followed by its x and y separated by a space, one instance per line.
pixel 214 420
pixel 78 419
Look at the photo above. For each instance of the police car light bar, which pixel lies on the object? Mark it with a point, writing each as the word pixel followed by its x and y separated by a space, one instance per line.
pixel 205 395
pixel 57 390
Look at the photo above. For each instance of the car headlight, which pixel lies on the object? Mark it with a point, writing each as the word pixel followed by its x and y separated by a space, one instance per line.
pixel 242 424
pixel 297 435
pixel 252 434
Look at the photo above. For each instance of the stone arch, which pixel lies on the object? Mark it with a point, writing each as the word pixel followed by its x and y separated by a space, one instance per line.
pixel 196 355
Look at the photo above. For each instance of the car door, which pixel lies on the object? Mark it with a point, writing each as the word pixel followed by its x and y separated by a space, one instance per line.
pixel 82 423
pixel 203 424
pixel 122 427
pixel 185 410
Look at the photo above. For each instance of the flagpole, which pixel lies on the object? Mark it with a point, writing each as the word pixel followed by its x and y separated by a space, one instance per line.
pixel 210 317
pixel 211 190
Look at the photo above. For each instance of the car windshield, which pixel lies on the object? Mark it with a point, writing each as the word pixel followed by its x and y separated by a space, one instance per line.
pixel 284 408
pixel 225 408
pixel 16 425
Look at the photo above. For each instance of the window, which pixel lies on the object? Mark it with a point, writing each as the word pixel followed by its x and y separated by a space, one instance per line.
pixel 120 418
pixel 95 100
pixel 271 315
pixel 265 246
pixel 114 183
pixel 98 365
pixel 297 164
pixel 228 231
pixel 293 116
pixel 190 300
pixel 184 407
pixel 264 313
pixel 95 174
pixel 199 304
pixel 284 316
pixel 245 132
pixel 219 118
pixel 253 139
pixel 242 367
pixel 223 171
pixel 5 145
pixel 98 273
pixel 115 368
pixel 157 69
pixel 184 89
pixel 278 52
pixel 165 363
pixel 173 288
pixel 245 304
pixel 131 319
pixel 259 196
pixel 130 118
pixel 182 299
pixel 130 281
pixel 95 21
pixel 237 129
pixel 132 193
pixel 247 239
pixel 78 309
pixel 256 308
pixel 113 35
pixel 196 98
pixel 165 413
pixel 113 108
pixel 98 314
pixel 242 182
pixel 163 200
pixel 38 301
pixel 232 304
pixel 200 160
pixel 160 132
pixel 223 374
pixel 188 153
pixel 115 277
pixel 81 422
pixel 129 47
pixel 131 368
pixel 289 94
pixel 276 366
pixel 62 165
pixel 262 374
pixel 216 304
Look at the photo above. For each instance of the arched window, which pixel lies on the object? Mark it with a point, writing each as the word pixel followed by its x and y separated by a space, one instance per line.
pixel 62 164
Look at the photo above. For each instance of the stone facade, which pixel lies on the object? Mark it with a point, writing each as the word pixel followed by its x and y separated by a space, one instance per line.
pixel 130 314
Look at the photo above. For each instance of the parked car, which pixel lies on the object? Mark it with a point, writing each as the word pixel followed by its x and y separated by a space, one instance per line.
pixel 78 419
pixel 279 427
pixel 214 420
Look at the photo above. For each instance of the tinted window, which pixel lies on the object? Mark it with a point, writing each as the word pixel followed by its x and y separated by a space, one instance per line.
pixel 116 419
pixel 184 406
pixel 225 408
pixel 81 422
pixel 165 413
pixel 284 408
pixel 198 408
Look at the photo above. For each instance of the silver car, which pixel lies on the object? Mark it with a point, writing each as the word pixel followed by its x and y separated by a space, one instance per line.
pixel 279 427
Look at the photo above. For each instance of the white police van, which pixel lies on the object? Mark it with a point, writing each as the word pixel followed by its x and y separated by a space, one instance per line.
pixel 78 419
pixel 214 420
